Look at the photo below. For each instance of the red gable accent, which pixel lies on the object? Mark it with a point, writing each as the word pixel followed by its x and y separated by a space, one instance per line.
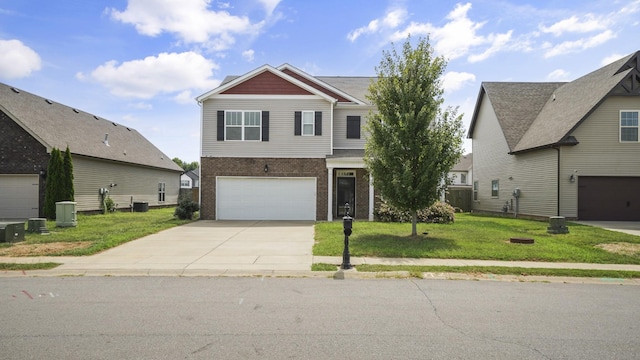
pixel 315 86
pixel 267 83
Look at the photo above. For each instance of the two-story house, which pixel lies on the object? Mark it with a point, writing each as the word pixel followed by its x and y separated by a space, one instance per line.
pixel 569 149
pixel 280 144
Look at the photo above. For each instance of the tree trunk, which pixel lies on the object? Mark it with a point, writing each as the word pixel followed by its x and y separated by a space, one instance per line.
pixel 414 223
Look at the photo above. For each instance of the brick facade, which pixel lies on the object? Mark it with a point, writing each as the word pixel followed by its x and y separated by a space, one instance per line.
pixel 212 167
pixel 21 153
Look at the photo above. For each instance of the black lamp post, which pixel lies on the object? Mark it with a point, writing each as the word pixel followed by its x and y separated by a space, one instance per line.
pixel 347 223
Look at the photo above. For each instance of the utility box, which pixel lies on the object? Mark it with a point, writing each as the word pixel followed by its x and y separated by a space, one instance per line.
pixel 140 206
pixel 11 232
pixel 66 214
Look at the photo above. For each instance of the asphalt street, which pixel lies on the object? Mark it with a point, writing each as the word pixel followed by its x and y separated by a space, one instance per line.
pixel 284 318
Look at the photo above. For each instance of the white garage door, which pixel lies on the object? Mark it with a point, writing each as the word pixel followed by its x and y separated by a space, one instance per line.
pixel 18 196
pixel 264 198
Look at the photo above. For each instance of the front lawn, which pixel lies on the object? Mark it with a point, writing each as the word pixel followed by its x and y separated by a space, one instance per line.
pixel 93 234
pixel 475 237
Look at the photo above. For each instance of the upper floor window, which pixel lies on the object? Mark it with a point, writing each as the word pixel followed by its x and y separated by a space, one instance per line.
pixel 185 183
pixel 629 126
pixel 308 123
pixel 463 179
pixel 242 125
pixel 353 127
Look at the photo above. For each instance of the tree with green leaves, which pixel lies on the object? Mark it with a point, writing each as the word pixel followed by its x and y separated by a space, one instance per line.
pixel 413 142
pixel 54 182
pixel 67 189
pixel 185 165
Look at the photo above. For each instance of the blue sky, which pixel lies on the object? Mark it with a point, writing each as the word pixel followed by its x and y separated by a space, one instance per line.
pixel 141 63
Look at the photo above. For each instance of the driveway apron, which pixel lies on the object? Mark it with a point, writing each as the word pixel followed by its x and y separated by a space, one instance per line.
pixel 212 245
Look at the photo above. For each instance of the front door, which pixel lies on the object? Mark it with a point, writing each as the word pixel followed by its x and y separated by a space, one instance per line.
pixel 346 194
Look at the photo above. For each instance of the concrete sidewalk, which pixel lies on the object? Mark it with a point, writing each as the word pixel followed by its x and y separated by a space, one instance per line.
pixel 247 248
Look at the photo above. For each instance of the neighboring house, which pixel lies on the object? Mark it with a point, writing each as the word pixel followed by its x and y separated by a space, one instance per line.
pixel 190 185
pixel 458 192
pixel 461 173
pixel 280 144
pixel 106 155
pixel 570 149
pixel 190 179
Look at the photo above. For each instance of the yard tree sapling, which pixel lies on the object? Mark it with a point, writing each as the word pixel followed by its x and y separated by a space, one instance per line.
pixel 413 142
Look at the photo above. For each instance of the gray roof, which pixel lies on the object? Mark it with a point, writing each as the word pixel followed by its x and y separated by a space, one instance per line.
pixel 538 115
pixel 356 86
pixel 464 163
pixel 57 125
pixel 193 174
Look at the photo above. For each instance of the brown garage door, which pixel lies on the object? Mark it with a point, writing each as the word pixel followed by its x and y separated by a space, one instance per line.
pixel 609 198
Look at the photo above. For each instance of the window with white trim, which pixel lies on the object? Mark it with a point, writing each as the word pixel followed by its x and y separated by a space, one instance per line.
pixel 495 188
pixel 242 125
pixel 308 123
pixel 629 126
pixel 475 190
pixel 161 191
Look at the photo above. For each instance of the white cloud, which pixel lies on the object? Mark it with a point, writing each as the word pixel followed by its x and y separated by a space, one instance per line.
pixel 558 75
pixel 452 80
pixel 141 106
pixel 391 20
pixel 611 58
pixel 165 73
pixel 568 47
pixel 190 20
pixel 457 37
pixel 269 5
pixel 248 55
pixel 573 24
pixel 498 42
pixel 17 60
pixel 185 97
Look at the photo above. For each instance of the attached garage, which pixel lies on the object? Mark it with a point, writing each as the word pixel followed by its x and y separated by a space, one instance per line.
pixel 609 198
pixel 18 196
pixel 265 198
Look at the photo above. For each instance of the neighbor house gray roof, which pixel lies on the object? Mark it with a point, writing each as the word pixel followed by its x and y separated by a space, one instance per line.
pixel 464 163
pixel 538 115
pixel 57 125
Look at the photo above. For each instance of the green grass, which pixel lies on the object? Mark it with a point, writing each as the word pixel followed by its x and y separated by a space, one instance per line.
pixel 36 266
pixel 105 231
pixel 498 270
pixel 474 237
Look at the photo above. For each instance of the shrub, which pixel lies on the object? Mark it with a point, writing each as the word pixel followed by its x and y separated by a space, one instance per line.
pixel 109 205
pixel 186 208
pixel 438 213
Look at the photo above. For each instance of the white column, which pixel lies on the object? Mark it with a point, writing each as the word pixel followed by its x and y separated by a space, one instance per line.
pixel 330 194
pixel 371 197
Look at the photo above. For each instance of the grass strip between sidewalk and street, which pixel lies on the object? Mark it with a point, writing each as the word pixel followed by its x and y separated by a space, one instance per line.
pixel 417 271
pixel 34 266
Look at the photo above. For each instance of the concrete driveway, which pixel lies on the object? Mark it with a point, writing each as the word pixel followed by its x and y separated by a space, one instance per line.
pixel 628 227
pixel 211 247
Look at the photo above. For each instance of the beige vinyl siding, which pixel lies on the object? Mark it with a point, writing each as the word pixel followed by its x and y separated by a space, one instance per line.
pixel 533 173
pixel 132 181
pixel 282 142
pixel 340 140
pixel 599 153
